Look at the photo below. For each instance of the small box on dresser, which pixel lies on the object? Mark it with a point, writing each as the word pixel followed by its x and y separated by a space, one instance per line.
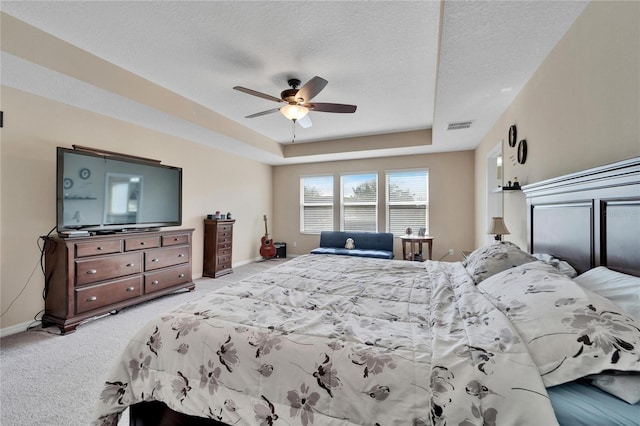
pixel 218 247
pixel 90 276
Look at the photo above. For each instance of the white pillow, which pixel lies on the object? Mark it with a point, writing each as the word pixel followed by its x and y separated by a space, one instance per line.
pixel 621 289
pixel 624 386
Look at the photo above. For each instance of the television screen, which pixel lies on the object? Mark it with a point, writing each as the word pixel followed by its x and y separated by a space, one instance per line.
pixel 97 192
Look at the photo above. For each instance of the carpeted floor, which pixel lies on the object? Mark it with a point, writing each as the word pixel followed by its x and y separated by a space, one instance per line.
pixel 52 380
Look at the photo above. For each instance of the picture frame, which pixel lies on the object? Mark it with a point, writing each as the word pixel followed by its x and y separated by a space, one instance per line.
pixel 522 151
pixel 421 232
pixel 513 135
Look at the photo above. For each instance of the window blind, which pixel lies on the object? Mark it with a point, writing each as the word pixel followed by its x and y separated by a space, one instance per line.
pixel 359 202
pixel 407 201
pixel 316 204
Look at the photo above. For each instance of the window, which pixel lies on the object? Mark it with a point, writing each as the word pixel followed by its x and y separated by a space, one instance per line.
pixel 316 204
pixel 359 205
pixel 407 201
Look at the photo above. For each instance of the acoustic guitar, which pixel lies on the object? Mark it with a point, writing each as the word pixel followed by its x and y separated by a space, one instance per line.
pixel 267 249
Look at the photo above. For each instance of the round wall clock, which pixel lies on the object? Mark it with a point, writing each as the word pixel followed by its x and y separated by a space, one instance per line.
pixel 85 173
pixel 522 151
pixel 513 135
pixel 67 183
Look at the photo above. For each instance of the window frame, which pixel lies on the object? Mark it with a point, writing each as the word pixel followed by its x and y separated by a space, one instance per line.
pixel 303 204
pixel 389 204
pixel 375 203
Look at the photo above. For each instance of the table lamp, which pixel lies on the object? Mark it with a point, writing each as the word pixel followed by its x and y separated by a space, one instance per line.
pixel 498 228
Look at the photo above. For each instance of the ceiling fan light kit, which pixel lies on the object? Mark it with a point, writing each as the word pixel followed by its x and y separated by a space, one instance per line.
pixel 294 111
pixel 297 101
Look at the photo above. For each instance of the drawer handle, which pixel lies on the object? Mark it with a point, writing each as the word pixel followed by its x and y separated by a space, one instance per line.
pixel 92 299
pixel 155 282
pixel 141 243
pixel 181 276
pixel 181 255
pixel 176 239
pixel 130 288
pixel 131 264
pixel 99 248
pixel 155 260
pixel 92 271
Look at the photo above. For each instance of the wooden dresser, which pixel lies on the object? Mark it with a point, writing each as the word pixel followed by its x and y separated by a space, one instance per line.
pixel 91 276
pixel 218 245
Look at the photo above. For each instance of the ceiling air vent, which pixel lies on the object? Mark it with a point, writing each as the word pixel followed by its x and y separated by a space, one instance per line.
pixel 455 125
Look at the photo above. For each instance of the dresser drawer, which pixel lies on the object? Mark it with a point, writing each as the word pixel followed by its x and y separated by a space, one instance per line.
pixel 225 229
pixel 174 240
pixel 224 262
pixel 141 243
pixel 154 281
pixel 225 251
pixel 225 243
pixel 94 270
pixel 155 259
pixel 95 248
pixel 97 296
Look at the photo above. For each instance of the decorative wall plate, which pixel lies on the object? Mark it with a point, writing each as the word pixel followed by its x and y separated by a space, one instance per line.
pixel 85 173
pixel 513 135
pixel 67 183
pixel 522 151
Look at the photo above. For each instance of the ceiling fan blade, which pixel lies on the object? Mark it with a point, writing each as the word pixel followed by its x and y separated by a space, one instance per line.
pixel 324 107
pixel 258 94
pixel 311 89
pixel 258 114
pixel 305 122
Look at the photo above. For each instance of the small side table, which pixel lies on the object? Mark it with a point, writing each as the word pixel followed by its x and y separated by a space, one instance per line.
pixel 416 242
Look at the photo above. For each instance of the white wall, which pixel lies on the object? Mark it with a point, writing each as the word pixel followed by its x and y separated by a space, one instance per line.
pixel 580 109
pixel 34 127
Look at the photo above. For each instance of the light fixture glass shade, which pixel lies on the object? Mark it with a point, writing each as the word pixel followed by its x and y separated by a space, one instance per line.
pixel 294 112
pixel 498 228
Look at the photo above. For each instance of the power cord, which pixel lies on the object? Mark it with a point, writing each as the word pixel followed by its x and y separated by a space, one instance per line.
pixel 446 254
pixel 41 263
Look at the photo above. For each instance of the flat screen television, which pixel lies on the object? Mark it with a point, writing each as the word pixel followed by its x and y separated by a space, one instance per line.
pixel 110 192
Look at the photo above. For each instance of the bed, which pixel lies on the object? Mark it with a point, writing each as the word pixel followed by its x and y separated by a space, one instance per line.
pixel 326 339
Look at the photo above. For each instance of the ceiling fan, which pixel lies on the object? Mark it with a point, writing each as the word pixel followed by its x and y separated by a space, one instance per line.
pixel 298 101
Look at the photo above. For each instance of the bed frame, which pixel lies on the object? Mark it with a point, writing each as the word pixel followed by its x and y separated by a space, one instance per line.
pixel 590 218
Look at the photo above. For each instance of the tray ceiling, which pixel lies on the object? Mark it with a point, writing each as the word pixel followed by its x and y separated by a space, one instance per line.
pixel 407 65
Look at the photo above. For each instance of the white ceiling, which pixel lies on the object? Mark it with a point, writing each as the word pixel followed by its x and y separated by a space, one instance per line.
pixel 408 65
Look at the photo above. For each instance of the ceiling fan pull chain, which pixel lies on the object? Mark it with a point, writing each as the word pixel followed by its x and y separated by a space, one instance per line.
pixel 293 130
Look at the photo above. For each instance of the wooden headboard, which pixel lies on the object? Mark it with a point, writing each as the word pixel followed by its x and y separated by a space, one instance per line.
pixel 590 218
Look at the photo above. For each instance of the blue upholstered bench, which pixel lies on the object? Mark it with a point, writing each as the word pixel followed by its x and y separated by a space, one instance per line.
pixel 368 244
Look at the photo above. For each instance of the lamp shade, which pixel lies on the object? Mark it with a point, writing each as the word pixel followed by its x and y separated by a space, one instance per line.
pixel 294 111
pixel 497 227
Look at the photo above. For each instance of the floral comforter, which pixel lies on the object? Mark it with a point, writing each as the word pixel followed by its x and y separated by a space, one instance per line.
pixel 335 340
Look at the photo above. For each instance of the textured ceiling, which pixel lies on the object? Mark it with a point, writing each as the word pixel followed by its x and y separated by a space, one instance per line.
pixel 408 65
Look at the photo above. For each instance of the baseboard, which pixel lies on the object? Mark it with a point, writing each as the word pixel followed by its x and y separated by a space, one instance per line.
pixel 18 328
pixel 15 329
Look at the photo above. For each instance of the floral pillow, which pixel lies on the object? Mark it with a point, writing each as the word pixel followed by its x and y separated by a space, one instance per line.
pixel 493 258
pixel 571 332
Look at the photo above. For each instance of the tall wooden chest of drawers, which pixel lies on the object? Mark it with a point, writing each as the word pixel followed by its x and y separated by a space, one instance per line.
pixel 90 276
pixel 218 245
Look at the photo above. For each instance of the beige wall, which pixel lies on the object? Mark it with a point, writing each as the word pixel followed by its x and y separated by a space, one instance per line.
pixel 580 109
pixel 450 198
pixel 34 126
